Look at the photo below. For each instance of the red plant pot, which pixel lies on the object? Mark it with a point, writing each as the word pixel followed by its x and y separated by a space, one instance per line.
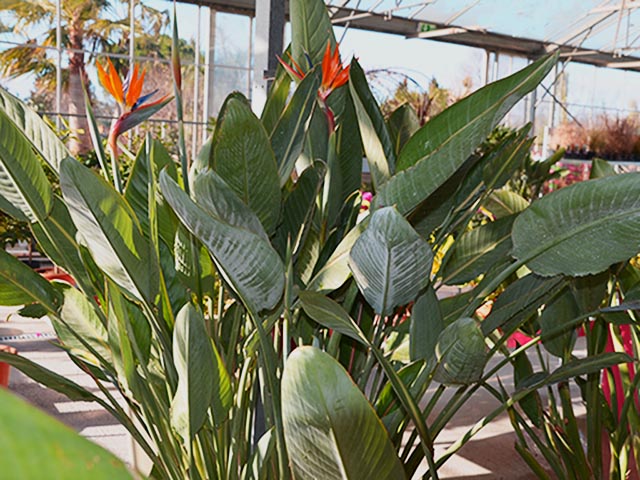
pixel 5 368
pixel 5 371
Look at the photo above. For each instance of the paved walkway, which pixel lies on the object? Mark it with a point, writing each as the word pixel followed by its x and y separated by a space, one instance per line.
pixel 490 455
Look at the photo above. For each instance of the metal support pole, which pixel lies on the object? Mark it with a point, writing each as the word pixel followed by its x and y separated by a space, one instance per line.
pixel 196 88
pixel 487 62
pixel 268 43
pixel 249 57
pixel 209 87
pixel 496 66
pixel 132 32
pixel 59 63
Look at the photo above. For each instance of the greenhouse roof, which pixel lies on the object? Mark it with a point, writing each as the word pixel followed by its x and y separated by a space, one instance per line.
pixel 602 33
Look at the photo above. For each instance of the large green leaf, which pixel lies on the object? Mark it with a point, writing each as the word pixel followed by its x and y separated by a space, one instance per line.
pixel 244 159
pixel 439 148
pixel 287 138
pixel 156 156
pixel 216 197
pixel 504 202
pixel 329 314
pixel 35 446
pixel 298 210
pixel 476 251
pixel 581 229
pixel 78 320
pixel 48 378
pixel 311 29
pixel 56 236
pixel 23 183
pixel 521 299
pixel 377 142
pixel 426 326
pixel 562 308
pixel 20 285
pixel 277 98
pixel 461 353
pixel 332 431
pixel 246 260
pixel 129 337
pixel 336 269
pixel 35 129
pixel 349 151
pixel 110 231
pixel 390 262
pixel 402 124
pixel 198 375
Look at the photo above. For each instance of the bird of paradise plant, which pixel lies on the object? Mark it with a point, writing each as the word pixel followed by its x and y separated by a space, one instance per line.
pixel 334 76
pixel 131 105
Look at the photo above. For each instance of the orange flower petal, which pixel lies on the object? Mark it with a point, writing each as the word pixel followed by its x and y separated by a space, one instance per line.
pixel 105 80
pixel 341 78
pixel 135 86
pixel 326 66
pixel 116 83
pixel 292 71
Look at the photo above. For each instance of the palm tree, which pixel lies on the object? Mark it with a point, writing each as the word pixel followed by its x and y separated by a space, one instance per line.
pixel 87 26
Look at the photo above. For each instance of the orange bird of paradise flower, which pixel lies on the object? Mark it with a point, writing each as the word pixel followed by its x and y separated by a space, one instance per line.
pixel 133 109
pixel 334 75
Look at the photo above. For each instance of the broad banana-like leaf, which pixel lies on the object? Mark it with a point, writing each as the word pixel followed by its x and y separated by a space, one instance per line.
pixel 23 183
pixel 78 318
pixel 243 158
pixel 520 300
pixel 439 148
pixel 376 140
pixel 214 195
pixel 349 150
pixel 503 203
pixel 390 262
pixel 336 269
pixel 311 29
pixel 199 377
pixel 531 404
pixel 287 138
pixel 298 210
pixel 402 124
pixel 581 229
pixel 601 168
pixel 332 431
pixel 562 308
pixel 48 378
pixel 20 285
pixel 35 129
pixel 129 337
pixel 137 192
pixel 332 201
pixel 56 236
pixel 35 445
pixel 110 230
pixel 508 156
pixel 576 367
pixel 96 139
pixel 426 326
pixel 461 353
pixel 476 251
pixel 277 98
pixel 329 314
pixel 247 261
pixel 590 291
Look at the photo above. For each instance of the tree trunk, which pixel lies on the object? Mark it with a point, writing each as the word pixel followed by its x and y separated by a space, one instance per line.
pixel 79 141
